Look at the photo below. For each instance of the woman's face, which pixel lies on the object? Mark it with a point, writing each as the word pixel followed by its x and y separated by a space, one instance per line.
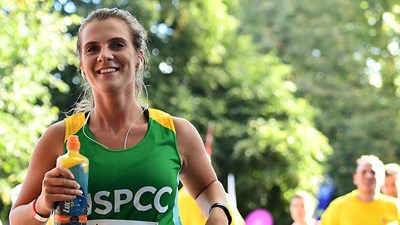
pixel 108 58
pixel 297 209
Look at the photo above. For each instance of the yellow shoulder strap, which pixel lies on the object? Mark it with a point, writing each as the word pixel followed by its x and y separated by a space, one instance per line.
pixel 162 118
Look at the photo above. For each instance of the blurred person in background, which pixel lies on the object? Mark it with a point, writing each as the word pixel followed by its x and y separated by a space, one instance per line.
pixel 302 206
pixel 365 205
pixel 391 184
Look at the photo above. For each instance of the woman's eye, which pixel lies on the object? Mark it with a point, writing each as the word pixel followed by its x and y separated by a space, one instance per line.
pixel 91 49
pixel 118 45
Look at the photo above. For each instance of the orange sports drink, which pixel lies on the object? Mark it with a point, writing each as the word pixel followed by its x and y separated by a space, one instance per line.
pixel 74 212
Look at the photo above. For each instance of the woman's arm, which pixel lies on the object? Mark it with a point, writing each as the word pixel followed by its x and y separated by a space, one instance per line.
pixel 197 173
pixel 44 181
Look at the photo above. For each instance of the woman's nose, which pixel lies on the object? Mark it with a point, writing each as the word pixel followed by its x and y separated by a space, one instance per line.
pixel 105 55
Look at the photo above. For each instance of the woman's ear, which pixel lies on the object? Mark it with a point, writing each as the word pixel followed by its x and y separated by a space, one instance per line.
pixel 81 70
pixel 138 62
pixel 140 56
pixel 82 73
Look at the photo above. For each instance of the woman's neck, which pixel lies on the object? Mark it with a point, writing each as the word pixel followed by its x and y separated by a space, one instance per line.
pixel 118 117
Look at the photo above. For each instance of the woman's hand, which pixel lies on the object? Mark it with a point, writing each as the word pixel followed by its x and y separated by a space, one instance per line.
pixel 58 185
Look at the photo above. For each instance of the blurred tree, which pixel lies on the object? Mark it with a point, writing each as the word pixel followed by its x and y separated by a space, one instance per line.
pixel 344 56
pixel 33 43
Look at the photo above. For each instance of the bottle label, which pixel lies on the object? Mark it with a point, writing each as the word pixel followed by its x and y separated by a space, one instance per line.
pixel 74 212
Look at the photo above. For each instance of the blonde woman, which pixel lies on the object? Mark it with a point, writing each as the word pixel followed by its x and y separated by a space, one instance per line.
pixel 302 207
pixel 137 154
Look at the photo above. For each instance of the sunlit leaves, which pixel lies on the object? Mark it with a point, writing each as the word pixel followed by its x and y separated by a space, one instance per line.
pixel 34 43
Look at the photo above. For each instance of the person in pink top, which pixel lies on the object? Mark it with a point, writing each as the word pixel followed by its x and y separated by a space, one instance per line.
pixel 302 207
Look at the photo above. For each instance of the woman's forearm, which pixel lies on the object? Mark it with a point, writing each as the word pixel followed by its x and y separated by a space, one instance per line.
pixel 24 215
pixel 214 193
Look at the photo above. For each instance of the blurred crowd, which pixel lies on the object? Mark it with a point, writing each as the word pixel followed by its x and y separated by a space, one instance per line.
pixel 373 201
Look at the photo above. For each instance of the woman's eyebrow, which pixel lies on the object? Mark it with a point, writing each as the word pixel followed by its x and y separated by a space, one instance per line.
pixel 90 43
pixel 117 39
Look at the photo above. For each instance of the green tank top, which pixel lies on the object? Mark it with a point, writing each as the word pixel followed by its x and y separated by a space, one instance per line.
pixel 133 186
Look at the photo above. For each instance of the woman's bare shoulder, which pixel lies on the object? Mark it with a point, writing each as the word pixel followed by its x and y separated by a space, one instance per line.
pixel 52 139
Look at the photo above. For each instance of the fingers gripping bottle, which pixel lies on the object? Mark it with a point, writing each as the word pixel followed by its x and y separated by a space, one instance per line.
pixel 74 212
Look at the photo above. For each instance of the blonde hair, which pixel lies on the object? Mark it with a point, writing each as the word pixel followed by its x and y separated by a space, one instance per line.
pixel 139 40
pixel 309 201
pixel 392 169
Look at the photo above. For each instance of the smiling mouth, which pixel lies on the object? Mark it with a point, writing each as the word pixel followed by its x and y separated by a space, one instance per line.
pixel 107 70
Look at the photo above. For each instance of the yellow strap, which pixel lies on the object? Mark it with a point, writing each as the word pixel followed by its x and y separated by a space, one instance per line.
pixel 162 118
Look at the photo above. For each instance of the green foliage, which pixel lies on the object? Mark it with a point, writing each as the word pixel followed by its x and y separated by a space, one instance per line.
pixel 280 150
pixel 343 55
pixel 33 44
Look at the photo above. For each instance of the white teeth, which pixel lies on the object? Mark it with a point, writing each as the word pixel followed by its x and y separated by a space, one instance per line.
pixel 108 70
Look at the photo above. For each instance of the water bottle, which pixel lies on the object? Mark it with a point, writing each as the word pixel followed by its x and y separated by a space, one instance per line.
pixel 74 212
